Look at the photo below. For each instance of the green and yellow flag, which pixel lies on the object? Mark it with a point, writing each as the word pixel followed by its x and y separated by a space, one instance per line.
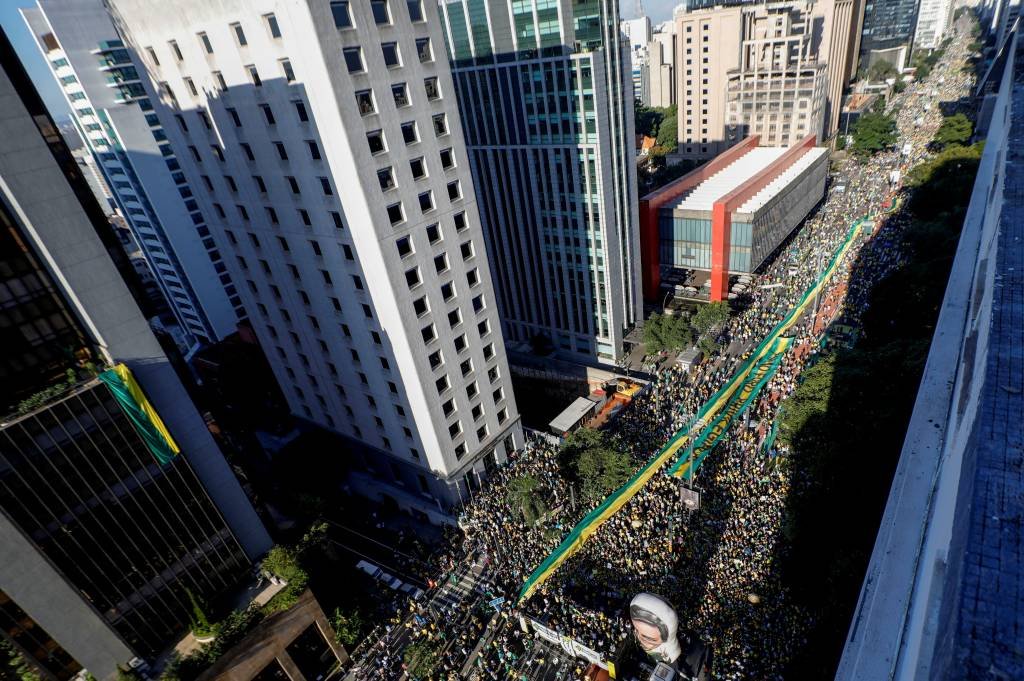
pixel 140 412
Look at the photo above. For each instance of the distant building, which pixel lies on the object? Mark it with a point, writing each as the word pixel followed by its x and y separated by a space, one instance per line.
pixel 116 506
pixel 730 214
pixel 638 33
pixel 887 32
pixel 773 70
pixel 933 19
pixel 659 70
pixel 102 84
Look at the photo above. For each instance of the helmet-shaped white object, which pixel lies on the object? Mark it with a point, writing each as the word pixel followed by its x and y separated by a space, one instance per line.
pixel 655 624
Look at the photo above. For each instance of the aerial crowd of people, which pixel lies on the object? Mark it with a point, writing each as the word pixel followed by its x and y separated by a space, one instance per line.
pixel 716 565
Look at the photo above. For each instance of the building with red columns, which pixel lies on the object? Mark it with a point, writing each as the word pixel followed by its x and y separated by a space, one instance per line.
pixel 727 216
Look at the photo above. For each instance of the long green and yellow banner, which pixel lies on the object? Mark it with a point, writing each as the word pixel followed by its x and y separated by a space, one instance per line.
pixel 140 412
pixel 763 356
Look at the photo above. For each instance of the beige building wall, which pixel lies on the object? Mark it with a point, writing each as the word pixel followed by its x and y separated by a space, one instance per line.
pixel 661 85
pixel 707 48
pixel 775 69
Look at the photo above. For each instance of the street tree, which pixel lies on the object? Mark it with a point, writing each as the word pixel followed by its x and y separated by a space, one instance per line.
pixel 710 317
pixel 881 70
pixel 873 132
pixel 523 493
pixel 666 332
pixel 590 459
pixel 955 129
pixel 668 132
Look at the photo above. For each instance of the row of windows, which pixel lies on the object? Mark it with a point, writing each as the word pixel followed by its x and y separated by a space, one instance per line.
pixel 355 63
pixel 380 10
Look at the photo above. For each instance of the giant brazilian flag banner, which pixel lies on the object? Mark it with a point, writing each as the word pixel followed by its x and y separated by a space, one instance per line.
pixel 140 412
pixel 714 417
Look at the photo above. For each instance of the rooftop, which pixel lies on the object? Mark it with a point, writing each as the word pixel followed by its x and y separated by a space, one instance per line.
pixel 580 407
pixel 773 188
pixel 740 171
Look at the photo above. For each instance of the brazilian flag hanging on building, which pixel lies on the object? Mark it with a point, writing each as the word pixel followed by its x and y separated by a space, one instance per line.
pixel 140 412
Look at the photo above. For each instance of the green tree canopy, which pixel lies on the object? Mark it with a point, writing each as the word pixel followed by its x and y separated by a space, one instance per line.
pixel 668 132
pixel 348 626
pixel 421 659
pixel 666 332
pixel 955 129
pixel 873 132
pixel 710 317
pixel 592 460
pixel 524 494
pixel 647 120
pixel 882 70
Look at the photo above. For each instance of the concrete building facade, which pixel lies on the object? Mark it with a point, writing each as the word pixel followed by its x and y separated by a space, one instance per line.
pixel 941 597
pixel 544 93
pixel 933 19
pixel 102 84
pixel 887 31
pixel 659 71
pixel 102 542
pixel 776 70
pixel 324 142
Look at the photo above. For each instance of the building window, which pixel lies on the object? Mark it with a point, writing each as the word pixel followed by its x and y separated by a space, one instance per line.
pixel 433 233
pixel 234 117
pixel 431 88
pixel 286 69
pixel 221 83
pixel 341 14
pixel 400 94
pixel 447 159
pixel 440 125
pixel 325 185
pixel 409 132
pixel 441 263
pixel 386 178
pixel 175 50
pixel 268 114
pixel 412 277
pixel 460 221
pixel 423 50
pixel 392 58
pixel 426 201
pixel 404 246
pixel 380 11
pixel 272 25
pixel 300 110
pixel 239 34
pixel 418 168
pixel 254 75
pixel 375 140
pixel 152 56
pixel 314 150
pixel 353 59
pixel 282 153
pixel 205 41
pixel 364 100
pixel 454 191
pixel 395 213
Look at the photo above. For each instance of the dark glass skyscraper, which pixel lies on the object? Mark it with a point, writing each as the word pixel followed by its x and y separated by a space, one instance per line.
pixel 888 24
pixel 112 518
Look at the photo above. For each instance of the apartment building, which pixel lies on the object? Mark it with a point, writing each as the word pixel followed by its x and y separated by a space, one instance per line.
pixel 659 72
pixel 887 31
pixel 776 70
pixel 545 98
pixel 102 84
pixel 116 506
pixel 324 143
pixel 933 19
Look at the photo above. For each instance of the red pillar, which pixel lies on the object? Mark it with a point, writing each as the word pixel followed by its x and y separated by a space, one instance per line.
pixel 721 230
pixel 650 257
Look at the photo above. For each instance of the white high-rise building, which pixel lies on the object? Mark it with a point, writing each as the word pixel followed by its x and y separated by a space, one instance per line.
pixel 324 142
pixel 113 113
pixel 933 19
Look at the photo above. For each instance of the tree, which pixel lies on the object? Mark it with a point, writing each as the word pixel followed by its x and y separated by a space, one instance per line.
pixel 955 129
pixel 647 120
pixel 666 332
pixel 200 623
pixel 595 463
pixel 873 132
pixel 668 132
pixel 348 627
pixel 421 659
pixel 13 666
pixel 881 70
pixel 710 317
pixel 523 494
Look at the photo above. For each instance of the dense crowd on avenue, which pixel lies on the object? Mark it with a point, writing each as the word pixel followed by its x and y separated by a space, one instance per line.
pixel 715 565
